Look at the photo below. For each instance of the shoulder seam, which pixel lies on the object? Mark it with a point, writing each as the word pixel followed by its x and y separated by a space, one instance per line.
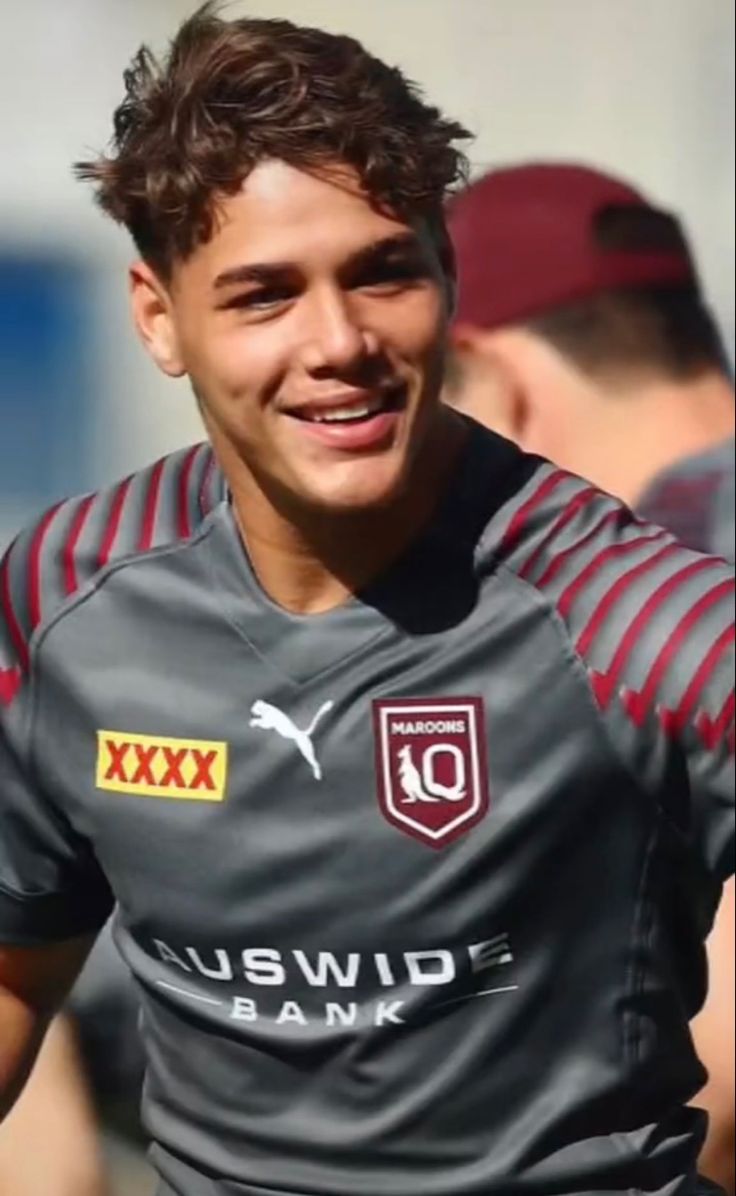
pixel 102 575
pixel 89 590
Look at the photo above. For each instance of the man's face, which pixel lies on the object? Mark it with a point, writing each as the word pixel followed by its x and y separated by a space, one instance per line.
pixel 313 329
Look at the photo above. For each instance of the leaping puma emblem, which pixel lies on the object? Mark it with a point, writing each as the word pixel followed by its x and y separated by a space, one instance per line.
pixel 269 718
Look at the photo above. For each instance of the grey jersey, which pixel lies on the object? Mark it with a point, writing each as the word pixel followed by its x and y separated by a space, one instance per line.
pixel 415 891
pixel 695 499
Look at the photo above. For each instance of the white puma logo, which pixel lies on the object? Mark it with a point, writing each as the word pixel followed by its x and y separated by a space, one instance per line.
pixel 270 718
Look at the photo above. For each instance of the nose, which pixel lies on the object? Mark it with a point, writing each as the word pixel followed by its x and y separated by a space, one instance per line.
pixel 335 341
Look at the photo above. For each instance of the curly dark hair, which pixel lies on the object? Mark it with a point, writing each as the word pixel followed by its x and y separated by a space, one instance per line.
pixel 232 93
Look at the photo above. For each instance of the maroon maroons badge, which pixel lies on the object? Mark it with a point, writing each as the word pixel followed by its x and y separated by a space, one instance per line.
pixel 431 765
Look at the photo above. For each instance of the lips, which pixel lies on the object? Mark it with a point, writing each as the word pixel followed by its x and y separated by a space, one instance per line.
pixel 349 407
pixel 357 422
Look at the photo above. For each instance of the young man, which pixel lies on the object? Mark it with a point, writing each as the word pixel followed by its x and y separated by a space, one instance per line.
pixel 582 333
pixel 406 757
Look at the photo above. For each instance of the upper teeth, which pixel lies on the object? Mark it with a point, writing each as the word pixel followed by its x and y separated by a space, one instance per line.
pixel 336 414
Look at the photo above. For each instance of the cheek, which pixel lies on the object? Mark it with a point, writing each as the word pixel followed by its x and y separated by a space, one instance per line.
pixel 418 332
pixel 237 365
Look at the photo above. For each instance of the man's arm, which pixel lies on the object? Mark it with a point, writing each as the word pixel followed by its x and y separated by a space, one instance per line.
pixel 33 983
pixel 713 1031
pixel 55 1108
pixel 47 1098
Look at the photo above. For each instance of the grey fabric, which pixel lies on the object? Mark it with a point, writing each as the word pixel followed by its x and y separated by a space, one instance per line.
pixel 415 891
pixel 695 499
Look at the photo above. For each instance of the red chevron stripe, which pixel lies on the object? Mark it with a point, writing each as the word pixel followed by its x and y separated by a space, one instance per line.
pixel 617 591
pixel 638 704
pixel 10 683
pixel 69 559
pixel 605 684
pixel 185 476
pixel 674 720
pixel 517 524
pixel 150 509
pixel 712 730
pixel 113 523
pixel 18 640
pixel 570 595
pixel 580 500
pixel 34 566
pixel 562 558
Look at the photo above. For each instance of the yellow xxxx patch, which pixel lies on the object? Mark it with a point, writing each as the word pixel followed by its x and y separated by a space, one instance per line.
pixel 187 769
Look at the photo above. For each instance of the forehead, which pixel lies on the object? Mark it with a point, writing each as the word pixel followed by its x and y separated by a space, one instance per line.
pixel 283 214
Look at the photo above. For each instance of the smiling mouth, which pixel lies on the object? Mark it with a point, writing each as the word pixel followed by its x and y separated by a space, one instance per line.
pixel 353 411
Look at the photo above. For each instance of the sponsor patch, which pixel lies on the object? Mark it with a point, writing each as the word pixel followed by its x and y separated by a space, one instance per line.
pixel 431 766
pixel 187 769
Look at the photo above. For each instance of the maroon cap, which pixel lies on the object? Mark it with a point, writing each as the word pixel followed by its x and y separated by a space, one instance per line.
pixel 525 240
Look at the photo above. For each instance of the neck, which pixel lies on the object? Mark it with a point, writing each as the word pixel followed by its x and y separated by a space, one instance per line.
pixel 311 560
pixel 660 426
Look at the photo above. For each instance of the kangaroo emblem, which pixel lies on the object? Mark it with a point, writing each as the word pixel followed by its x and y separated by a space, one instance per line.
pixel 411 782
pixel 269 718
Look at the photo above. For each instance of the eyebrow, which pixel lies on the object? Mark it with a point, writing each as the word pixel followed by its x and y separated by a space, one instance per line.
pixel 266 272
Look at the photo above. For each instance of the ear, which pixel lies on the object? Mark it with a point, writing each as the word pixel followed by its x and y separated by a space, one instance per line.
pixel 490 388
pixel 154 319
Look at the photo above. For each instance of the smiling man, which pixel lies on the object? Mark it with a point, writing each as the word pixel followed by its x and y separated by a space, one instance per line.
pixel 405 759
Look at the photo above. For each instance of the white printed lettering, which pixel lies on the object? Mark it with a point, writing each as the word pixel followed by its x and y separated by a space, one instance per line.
pixel 383 967
pixel 386 1013
pixel 291 1012
pixel 340 1015
pixel 223 972
pixel 439 969
pixel 329 969
pixel 244 1010
pixel 263 966
pixel 169 956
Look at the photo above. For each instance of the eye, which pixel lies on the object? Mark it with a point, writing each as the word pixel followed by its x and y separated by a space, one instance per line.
pixel 392 274
pixel 263 299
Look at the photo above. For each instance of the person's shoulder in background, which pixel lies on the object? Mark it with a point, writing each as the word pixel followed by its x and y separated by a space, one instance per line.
pixel 695 498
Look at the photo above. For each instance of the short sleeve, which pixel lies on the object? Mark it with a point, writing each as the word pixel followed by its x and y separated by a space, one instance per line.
pixel 652 624
pixel 666 688
pixel 51 886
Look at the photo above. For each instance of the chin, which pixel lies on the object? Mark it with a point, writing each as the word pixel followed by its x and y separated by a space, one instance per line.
pixel 378 487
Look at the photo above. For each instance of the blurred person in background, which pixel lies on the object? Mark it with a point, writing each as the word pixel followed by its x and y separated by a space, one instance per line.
pixel 582 333
pixel 231 695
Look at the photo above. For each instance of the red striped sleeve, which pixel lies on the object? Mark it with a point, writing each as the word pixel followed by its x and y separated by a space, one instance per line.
pixel 150 509
pixel 527 509
pixel 617 591
pixel 713 730
pixel 563 558
pixel 69 557
pixel 18 640
pixel 606 683
pixel 34 566
pixel 576 587
pixel 185 477
pixel 673 721
pixel 573 508
pixel 638 704
pixel 113 523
